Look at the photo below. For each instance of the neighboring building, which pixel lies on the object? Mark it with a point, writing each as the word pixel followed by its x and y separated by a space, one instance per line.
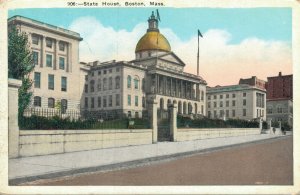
pixel 280 98
pixel 236 101
pixel 120 87
pixel 254 81
pixel 55 54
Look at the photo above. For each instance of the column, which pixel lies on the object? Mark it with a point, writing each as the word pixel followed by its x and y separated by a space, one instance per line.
pixel 173 121
pixel 13 126
pixel 171 90
pixel 153 118
pixel 197 92
pixel 191 93
pixel 181 88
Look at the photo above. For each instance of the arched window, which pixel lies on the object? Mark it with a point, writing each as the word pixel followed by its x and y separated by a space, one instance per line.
pixel 64 106
pixel 117 81
pixel 129 81
pixel 37 101
pixel 136 82
pixel 92 85
pixel 51 102
pixel 110 83
pixel 104 84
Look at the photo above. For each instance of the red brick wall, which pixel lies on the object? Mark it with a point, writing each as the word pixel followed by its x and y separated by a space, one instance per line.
pixel 280 87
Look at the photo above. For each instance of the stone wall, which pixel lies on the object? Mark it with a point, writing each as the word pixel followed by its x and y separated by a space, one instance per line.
pixel 44 142
pixel 194 134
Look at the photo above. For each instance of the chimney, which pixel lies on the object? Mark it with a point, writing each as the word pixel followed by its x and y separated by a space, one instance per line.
pixel 279 74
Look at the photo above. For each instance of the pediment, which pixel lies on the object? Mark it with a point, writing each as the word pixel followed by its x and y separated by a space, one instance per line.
pixel 171 58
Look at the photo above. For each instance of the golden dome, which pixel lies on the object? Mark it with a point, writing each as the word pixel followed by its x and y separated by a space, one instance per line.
pixel 153 41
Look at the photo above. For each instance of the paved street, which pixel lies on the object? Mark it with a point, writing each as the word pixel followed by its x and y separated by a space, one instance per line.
pixel 268 162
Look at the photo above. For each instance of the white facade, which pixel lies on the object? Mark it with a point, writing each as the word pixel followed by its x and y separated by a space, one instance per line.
pixel 236 102
pixel 55 53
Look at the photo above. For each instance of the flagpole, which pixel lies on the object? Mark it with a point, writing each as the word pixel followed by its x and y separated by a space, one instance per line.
pixel 198 56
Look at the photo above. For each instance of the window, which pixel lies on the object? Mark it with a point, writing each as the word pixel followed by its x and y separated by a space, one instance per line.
pixel 35 56
pixel 99 85
pixel 117 81
pixel 260 100
pixel 92 74
pixel 104 71
pixel 92 102
pixel 110 83
pixel 118 69
pixel 215 114
pixel 117 99
pixel 129 100
pixel 99 72
pixel 104 101
pixel 129 81
pixel 215 97
pixel 144 102
pixel 215 104
pixel 51 102
pixel 227 103
pixel 221 96
pixel 64 106
pixel 35 39
pixel 208 105
pixel 244 112
pixel 233 102
pixel 104 84
pixel 51 81
pixel 63 83
pixel 202 109
pixel 86 88
pixel 221 104
pixel 208 114
pixel 110 70
pixel 92 85
pixel 37 80
pixel 99 102
pixel 61 46
pixel 208 97
pixel 144 84
pixel 244 102
pixel 202 95
pixel 37 101
pixel 136 83
pixel 136 100
pixel 270 110
pixel 86 102
pixel 227 113
pixel 233 113
pixel 227 95
pixel 279 109
pixel 129 114
pixel 48 60
pixel 244 94
pixel 61 63
pixel 86 77
pixel 110 101
pixel 48 42
pixel 221 113
pixel 233 95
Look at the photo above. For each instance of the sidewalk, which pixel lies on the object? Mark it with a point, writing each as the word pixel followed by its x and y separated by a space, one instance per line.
pixel 49 166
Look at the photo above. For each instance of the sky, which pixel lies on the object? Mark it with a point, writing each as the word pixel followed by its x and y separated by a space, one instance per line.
pixel 237 42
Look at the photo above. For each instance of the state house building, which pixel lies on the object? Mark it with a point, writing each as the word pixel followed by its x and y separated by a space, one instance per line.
pixel 117 87
pixel 155 73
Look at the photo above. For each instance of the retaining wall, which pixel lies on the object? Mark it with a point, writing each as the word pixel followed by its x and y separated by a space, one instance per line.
pixel 44 142
pixel 187 134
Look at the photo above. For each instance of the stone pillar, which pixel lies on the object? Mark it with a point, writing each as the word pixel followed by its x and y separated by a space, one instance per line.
pixel 270 126
pixel 13 127
pixel 153 118
pixel 173 121
pixel 279 125
pixel 260 123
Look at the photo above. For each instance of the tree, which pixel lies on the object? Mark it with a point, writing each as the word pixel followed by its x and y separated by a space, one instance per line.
pixel 20 65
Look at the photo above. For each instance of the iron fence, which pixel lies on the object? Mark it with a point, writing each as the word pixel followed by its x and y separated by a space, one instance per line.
pixel 51 119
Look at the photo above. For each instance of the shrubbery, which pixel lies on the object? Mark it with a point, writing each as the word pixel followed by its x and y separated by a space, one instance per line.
pixel 183 122
pixel 56 122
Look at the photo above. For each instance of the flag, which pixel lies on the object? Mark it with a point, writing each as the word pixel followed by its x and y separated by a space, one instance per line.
pixel 199 33
pixel 157 15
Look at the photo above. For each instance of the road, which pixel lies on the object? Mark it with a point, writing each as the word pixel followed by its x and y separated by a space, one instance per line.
pixel 266 163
